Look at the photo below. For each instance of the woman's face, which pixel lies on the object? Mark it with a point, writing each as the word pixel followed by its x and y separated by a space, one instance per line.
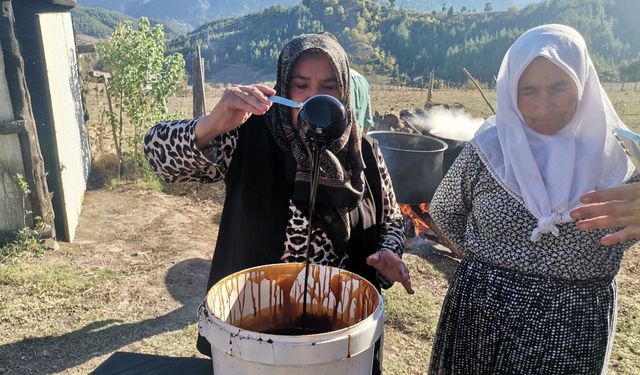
pixel 547 96
pixel 312 75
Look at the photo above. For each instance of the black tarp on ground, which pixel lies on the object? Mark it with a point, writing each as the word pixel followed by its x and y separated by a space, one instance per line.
pixel 122 363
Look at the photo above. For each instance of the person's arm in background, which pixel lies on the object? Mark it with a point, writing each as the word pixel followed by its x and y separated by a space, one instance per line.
pixel 368 115
pixel 616 207
pixel 387 260
pixel 368 120
pixel 201 149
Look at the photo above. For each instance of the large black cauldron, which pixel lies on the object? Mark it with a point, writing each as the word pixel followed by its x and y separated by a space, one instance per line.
pixel 454 147
pixel 414 162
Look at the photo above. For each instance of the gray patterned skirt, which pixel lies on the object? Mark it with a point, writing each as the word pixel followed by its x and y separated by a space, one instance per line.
pixel 496 321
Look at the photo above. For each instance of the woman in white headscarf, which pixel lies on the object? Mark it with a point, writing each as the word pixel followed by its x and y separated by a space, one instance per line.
pixel 534 293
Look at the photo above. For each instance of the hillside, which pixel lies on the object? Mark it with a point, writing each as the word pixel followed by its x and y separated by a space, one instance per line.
pixel 202 11
pixel 469 5
pixel 99 22
pixel 195 14
pixel 407 44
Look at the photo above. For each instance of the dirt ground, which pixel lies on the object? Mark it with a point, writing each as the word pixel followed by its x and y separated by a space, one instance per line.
pixel 150 252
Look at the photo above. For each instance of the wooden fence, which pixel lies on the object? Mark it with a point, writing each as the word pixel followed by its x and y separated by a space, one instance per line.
pixel 609 86
pixel 621 86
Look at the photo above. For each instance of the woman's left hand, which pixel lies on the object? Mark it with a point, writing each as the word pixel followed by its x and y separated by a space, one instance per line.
pixel 618 206
pixel 389 265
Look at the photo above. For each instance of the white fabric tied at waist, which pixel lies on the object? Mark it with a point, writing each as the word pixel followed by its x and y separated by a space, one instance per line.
pixel 548 224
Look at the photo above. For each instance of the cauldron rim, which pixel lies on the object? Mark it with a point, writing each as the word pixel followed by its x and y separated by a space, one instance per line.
pixel 441 137
pixel 401 134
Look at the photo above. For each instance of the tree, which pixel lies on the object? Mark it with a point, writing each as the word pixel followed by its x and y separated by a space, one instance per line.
pixel 142 78
pixel 488 7
pixel 450 12
pixel 630 70
pixel 463 9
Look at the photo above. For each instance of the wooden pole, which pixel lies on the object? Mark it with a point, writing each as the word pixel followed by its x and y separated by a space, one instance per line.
pixel 199 107
pixel 479 89
pixel 34 167
pixel 430 92
pixel 116 142
pixel 103 77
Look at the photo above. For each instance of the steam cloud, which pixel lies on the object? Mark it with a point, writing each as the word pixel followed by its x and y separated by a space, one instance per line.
pixel 452 123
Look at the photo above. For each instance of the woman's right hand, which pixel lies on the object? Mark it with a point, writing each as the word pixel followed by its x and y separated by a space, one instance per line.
pixel 618 206
pixel 235 106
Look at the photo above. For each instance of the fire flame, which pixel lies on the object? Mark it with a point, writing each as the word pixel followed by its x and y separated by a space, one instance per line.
pixel 420 227
pixel 423 226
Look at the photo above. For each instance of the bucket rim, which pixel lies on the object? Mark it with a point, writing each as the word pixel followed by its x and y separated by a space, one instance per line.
pixel 290 338
pixel 229 327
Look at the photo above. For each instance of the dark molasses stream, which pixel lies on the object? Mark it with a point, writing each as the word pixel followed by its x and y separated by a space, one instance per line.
pixel 315 174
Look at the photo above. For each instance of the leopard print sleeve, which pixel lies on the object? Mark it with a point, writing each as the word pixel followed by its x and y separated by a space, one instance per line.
pixel 171 150
pixel 392 234
pixel 392 237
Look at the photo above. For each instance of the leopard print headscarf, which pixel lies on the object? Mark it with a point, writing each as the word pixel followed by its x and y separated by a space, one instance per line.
pixel 341 184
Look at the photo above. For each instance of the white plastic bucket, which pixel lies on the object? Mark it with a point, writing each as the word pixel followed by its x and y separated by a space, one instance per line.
pixel 257 299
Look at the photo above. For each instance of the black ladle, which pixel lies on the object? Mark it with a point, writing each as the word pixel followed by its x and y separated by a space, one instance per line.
pixel 322 119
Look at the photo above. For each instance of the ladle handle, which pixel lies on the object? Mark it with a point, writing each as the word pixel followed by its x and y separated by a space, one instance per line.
pixel 285 101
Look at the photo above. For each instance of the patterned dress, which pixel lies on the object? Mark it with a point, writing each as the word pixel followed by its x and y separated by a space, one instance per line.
pixel 171 150
pixel 515 306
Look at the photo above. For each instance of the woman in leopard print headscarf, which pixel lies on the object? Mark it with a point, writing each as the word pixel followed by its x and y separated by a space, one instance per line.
pixel 341 184
pixel 255 148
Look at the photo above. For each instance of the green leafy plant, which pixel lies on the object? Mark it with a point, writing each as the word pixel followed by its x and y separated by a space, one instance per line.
pixel 142 78
pixel 28 240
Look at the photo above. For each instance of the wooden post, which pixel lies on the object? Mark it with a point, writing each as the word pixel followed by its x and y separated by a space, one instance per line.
pixel 104 78
pixel 479 89
pixel 199 106
pixel 635 86
pixel 430 92
pixel 20 99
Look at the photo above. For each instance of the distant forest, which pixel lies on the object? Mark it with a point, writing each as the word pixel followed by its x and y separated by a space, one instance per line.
pixel 200 12
pixel 404 44
pixel 100 23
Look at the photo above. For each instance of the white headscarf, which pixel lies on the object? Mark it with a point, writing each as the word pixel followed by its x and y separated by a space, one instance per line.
pixel 550 172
